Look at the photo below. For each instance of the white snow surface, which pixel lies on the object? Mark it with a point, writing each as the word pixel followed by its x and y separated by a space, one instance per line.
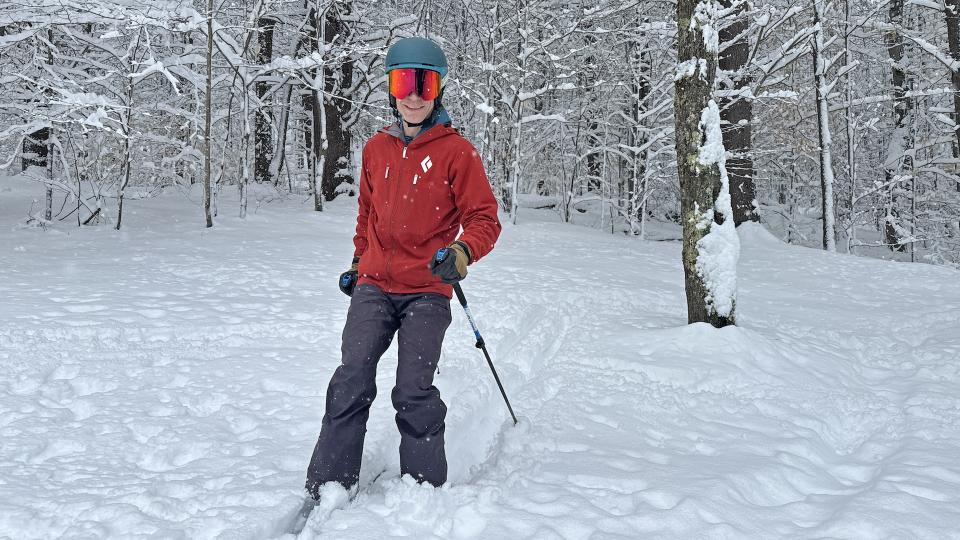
pixel 167 381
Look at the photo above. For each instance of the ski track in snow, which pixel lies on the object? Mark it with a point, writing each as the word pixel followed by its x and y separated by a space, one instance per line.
pixel 169 383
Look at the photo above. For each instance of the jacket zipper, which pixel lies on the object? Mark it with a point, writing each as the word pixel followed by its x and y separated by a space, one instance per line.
pixel 393 211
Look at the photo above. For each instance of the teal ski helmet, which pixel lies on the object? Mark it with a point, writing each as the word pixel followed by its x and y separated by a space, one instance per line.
pixel 416 52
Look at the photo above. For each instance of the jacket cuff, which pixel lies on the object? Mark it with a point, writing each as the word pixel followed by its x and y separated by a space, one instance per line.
pixel 466 249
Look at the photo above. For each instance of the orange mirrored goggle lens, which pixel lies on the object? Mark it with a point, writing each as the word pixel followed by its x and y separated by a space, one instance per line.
pixel 423 82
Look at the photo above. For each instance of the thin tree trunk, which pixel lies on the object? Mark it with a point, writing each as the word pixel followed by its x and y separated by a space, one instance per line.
pixel 128 158
pixel 848 119
pixel 518 109
pixel 953 42
pixel 489 139
pixel 896 151
pixel 639 90
pixel 823 131
pixel 245 144
pixel 280 155
pixel 207 118
pixel 48 207
pixel 48 210
pixel 319 109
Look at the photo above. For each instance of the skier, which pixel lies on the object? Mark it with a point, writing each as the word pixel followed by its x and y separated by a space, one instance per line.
pixel 421 182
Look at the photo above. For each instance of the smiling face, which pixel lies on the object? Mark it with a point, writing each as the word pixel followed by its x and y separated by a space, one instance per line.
pixel 414 109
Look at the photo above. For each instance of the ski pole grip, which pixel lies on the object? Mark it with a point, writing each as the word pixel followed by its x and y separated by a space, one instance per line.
pixel 441 253
pixel 346 279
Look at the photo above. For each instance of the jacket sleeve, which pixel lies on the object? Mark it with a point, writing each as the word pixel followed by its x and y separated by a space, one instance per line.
pixel 360 237
pixel 475 202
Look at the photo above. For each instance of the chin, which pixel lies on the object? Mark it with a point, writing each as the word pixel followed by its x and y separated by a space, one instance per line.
pixel 416 117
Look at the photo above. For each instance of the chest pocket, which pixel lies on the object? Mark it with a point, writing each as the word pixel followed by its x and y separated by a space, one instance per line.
pixel 383 179
pixel 424 199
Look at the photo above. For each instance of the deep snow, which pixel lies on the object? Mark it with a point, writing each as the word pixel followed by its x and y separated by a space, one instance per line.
pixel 167 381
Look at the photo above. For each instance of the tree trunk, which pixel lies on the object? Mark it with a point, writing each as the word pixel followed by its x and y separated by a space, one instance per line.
pixel 127 131
pixel 823 131
pixel 895 161
pixel 518 109
pixel 851 144
pixel 953 41
pixel 207 118
pixel 35 150
pixel 338 140
pixel 280 156
pixel 736 114
pixel 636 194
pixel 311 104
pixel 263 145
pixel 704 199
pixel 48 206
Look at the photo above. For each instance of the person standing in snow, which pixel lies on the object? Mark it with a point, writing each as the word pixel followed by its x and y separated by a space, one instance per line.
pixel 421 182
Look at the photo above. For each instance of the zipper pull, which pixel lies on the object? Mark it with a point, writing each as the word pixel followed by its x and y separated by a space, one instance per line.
pixel 404 152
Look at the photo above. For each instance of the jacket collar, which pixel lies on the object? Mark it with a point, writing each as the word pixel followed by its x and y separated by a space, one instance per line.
pixel 431 129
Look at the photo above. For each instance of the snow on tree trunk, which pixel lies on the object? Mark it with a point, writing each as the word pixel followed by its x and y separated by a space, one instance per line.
pixel 823 130
pixel 894 164
pixel 710 244
pixel 318 83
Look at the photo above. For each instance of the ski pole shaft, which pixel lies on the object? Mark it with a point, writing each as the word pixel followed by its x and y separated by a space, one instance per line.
pixel 482 346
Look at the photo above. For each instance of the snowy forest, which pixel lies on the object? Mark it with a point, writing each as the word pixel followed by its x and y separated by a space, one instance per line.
pixel 839 119
pixel 723 300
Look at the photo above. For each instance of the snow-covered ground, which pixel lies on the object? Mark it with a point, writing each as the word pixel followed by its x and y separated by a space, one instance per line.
pixel 167 381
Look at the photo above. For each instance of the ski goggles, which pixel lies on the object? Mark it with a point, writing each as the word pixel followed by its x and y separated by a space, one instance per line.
pixel 405 81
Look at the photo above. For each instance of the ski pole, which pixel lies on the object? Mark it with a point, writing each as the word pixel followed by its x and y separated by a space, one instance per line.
pixel 480 344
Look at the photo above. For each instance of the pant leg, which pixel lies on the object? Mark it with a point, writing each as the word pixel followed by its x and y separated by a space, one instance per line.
pixel 371 322
pixel 420 411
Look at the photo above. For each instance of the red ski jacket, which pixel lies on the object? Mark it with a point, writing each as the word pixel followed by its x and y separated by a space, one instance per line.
pixel 414 199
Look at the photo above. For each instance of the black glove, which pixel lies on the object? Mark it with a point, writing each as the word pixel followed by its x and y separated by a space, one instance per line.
pixel 348 279
pixel 451 267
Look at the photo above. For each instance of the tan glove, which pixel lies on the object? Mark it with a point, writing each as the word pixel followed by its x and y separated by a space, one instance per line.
pixel 452 266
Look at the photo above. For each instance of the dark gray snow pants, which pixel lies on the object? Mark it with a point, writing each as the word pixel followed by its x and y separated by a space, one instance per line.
pixel 420 320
